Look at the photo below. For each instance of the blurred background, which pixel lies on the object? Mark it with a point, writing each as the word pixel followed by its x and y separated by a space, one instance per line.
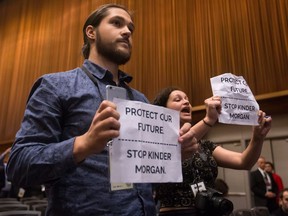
pixel 176 42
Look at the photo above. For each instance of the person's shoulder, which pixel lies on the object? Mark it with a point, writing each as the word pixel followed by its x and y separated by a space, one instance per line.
pixel 254 171
pixel 277 212
pixel 208 143
pixel 276 175
pixel 60 79
pixel 55 81
pixel 139 96
pixel 204 142
pixel 62 74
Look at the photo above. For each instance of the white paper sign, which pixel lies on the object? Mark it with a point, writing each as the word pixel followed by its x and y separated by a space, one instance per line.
pixel 238 103
pixel 147 149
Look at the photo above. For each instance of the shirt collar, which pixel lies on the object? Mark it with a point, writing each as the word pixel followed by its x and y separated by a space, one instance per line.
pixel 100 72
pixel 262 171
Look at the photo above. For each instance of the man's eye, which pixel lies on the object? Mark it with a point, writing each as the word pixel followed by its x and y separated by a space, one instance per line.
pixel 116 23
pixel 131 30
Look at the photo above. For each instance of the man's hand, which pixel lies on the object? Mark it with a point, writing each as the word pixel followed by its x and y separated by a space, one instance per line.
pixel 104 127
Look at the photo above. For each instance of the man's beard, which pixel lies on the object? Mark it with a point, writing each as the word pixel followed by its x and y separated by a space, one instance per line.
pixel 111 53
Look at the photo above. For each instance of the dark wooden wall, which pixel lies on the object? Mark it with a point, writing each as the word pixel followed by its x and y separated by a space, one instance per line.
pixel 176 42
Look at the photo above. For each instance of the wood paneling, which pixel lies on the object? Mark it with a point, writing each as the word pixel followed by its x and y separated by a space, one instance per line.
pixel 176 42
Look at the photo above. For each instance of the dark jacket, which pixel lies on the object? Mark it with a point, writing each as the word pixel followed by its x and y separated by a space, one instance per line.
pixel 258 187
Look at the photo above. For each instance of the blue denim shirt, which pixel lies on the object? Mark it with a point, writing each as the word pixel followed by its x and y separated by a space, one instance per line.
pixel 60 107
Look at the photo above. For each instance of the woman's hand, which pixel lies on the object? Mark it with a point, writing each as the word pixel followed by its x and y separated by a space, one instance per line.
pixel 213 109
pixel 189 144
pixel 265 122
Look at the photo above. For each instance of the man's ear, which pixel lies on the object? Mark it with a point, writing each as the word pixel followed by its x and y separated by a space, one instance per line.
pixel 90 32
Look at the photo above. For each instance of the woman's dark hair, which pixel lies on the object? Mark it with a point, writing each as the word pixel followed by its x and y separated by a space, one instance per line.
pixel 270 163
pixel 95 19
pixel 221 186
pixel 163 96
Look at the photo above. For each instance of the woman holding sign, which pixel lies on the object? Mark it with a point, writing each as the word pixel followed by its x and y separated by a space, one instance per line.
pixel 195 195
